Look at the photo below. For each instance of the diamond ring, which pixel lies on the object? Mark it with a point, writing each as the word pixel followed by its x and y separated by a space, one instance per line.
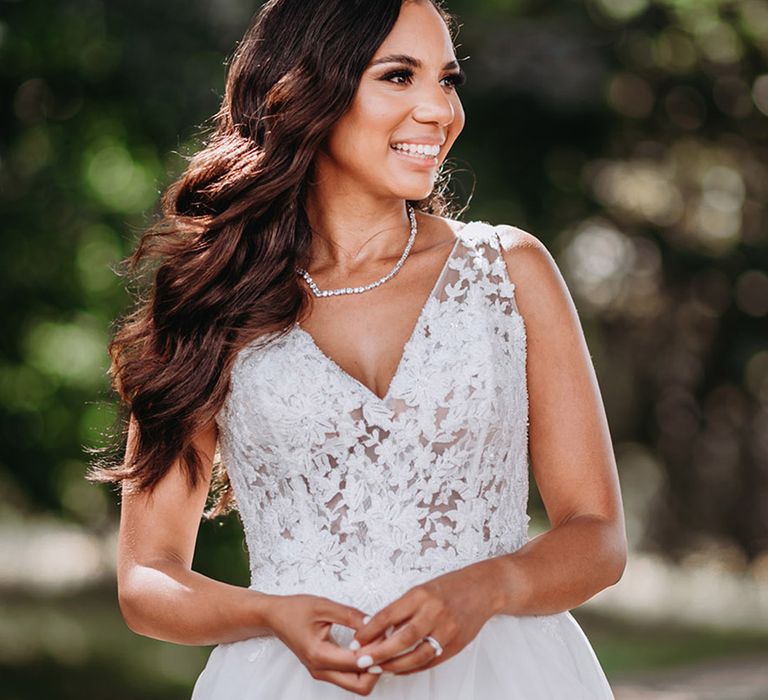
pixel 435 644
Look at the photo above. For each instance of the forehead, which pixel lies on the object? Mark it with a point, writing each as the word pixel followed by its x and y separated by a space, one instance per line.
pixel 419 31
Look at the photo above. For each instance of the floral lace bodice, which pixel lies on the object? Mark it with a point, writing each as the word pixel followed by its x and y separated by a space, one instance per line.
pixel 358 498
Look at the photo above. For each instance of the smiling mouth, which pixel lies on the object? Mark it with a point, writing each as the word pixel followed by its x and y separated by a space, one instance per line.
pixel 415 156
pixel 417 150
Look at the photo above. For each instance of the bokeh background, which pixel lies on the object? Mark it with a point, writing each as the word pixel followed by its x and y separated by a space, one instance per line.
pixel 631 136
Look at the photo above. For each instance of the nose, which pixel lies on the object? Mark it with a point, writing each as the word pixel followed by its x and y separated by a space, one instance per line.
pixel 434 105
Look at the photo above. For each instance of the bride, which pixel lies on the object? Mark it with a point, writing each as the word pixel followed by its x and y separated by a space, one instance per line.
pixel 376 378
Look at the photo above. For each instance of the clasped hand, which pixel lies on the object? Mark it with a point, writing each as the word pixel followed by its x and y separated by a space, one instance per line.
pixel 451 608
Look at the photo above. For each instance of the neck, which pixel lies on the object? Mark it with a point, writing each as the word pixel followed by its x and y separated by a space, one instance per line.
pixel 351 231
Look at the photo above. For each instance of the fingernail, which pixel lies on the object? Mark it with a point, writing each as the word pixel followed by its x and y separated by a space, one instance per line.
pixel 375 669
pixel 366 619
pixel 364 661
pixel 354 645
pixel 387 674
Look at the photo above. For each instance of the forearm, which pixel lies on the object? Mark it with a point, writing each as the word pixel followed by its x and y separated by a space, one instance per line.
pixel 558 570
pixel 167 601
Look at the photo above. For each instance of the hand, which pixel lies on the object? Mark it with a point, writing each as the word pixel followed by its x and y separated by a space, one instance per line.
pixel 452 608
pixel 303 623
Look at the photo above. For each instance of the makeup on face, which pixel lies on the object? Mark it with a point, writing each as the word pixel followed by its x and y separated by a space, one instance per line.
pixel 407 103
pixel 418 150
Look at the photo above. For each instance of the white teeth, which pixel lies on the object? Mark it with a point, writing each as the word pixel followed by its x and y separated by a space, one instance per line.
pixel 418 149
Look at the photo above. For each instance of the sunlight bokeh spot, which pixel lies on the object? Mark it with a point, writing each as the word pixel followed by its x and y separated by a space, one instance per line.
pixel 73 352
pixel 642 188
pixel 120 182
pixel 621 10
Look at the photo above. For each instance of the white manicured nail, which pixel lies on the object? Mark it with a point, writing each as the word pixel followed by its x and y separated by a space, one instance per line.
pixel 375 669
pixel 366 619
pixel 354 645
pixel 364 661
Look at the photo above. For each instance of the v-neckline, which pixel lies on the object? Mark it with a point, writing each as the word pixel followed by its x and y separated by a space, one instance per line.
pixel 411 338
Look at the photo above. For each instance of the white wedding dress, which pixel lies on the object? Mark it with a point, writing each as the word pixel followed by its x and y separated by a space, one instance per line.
pixel 357 498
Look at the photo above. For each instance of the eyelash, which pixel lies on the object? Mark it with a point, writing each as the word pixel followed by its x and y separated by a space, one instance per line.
pixel 455 79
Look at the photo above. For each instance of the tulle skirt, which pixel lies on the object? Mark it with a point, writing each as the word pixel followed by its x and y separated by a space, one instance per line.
pixel 511 658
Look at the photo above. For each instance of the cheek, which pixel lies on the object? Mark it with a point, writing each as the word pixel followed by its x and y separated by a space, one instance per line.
pixel 369 124
pixel 377 117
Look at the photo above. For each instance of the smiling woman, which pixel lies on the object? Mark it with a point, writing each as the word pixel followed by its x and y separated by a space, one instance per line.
pixel 375 375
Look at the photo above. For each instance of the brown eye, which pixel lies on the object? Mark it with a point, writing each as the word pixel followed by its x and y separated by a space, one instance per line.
pixel 405 74
pixel 456 79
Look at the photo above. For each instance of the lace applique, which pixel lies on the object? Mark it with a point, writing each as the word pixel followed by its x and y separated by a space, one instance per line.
pixel 345 494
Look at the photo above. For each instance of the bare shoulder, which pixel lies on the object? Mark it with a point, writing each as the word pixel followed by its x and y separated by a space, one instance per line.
pixel 525 254
pixel 530 264
pixel 516 238
pixel 540 289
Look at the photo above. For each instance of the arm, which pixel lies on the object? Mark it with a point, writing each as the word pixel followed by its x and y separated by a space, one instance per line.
pixel 574 467
pixel 159 594
pixel 570 447
pixel 161 597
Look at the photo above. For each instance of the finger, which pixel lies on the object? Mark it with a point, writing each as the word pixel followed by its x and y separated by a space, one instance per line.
pixel 390 616
pixel 361 683
pixel 327 655
pixel 420 658
pixel 404 639
pixel 330 611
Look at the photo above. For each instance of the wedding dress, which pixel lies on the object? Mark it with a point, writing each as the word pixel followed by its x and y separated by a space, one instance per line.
pixel 356 497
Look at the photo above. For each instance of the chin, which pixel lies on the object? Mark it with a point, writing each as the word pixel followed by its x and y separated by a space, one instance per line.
pixel 414 194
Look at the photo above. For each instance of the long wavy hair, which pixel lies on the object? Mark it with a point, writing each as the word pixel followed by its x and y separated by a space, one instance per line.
pixel 217 270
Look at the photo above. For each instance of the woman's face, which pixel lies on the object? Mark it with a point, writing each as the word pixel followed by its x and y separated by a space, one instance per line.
pixel 406 102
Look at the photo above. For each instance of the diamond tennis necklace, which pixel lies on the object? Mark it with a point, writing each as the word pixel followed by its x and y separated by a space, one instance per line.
pixel 358 290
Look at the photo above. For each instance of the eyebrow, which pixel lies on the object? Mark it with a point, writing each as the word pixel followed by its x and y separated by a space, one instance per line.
pixel 409 61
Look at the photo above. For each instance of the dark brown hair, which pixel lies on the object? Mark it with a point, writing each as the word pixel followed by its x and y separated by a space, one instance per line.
pixel 217 270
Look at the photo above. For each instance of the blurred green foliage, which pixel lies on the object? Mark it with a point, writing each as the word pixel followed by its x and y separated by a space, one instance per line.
pixel 629 135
